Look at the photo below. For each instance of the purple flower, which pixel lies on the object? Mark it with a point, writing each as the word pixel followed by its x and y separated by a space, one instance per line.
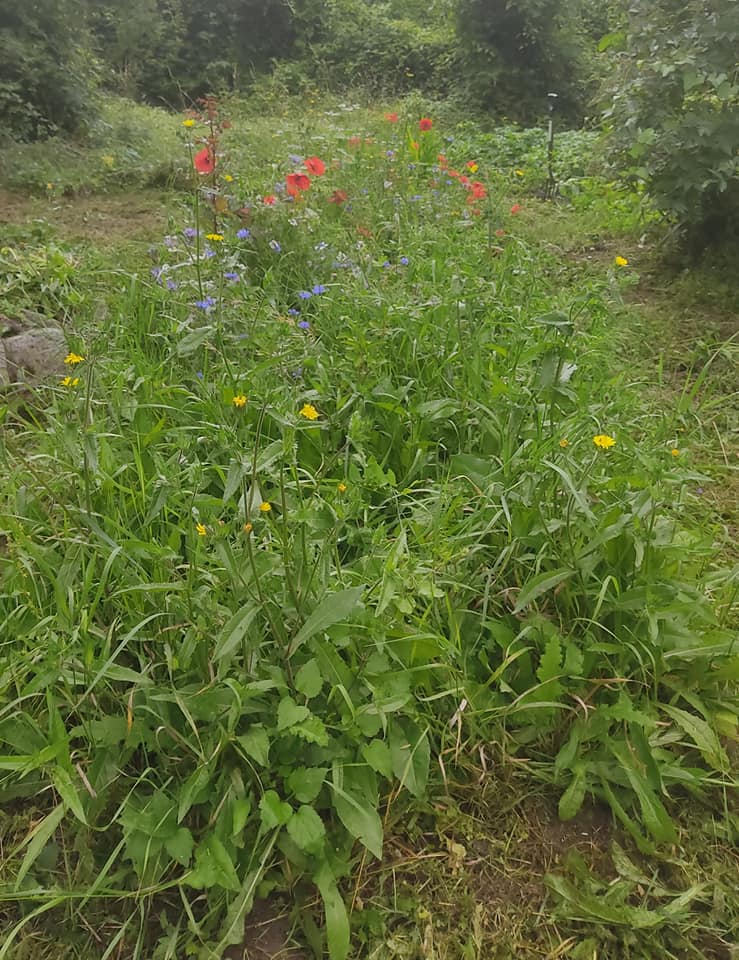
pixel 293 312
pixel 275 246
pixel 303 324
pixel 386 264
pixel 390 154
pixel 305 294
pixel 417 196
pixel 190 232
pixel 230 276
pixel 318 289
pixel 294 158
pixel 156 272
pixel 170 242
pixel 208 253
pixel 243 234
pixel 199 374
pixel 206 304
pixel 405 261
pixel 172 284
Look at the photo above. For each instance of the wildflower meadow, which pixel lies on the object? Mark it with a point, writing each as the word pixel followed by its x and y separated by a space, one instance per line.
pixel 363 558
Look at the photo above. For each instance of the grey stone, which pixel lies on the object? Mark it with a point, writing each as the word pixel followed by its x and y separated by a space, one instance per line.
pixel 31 353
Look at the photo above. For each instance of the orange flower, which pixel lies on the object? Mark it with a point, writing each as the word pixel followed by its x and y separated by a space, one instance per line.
pixel 478 190
pixel 315 166
pixel 354 142
pixel 442 161
pixel 204 161
pixel 297 182
pixel 425 124
pixel 516 208
pixel 270 199
pixel 338 196
pixel 391 117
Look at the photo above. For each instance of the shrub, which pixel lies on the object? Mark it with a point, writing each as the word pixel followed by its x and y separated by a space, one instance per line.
pixel 675 109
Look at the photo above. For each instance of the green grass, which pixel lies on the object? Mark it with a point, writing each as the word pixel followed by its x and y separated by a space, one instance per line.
pixel 361 663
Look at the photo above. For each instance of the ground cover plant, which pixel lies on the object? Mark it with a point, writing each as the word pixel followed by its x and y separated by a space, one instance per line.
pixel 344 511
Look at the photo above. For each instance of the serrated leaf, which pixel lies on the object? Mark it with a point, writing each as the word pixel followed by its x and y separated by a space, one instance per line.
pixel 306 782
pixel 274 812
pixel 702 735
pixel 334 608
pixel 550 662
pixel 307 829
pixel 308 679
pixel 539 585
pixel 290 713
pixel 179 846
pixel 213 867
pixel 256 744
pixel 312 730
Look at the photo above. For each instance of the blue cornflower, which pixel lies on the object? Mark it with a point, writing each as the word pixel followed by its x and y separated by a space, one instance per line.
pixel 206 304
pixel 305 294
pixel 243 234
pixel 190 232
pixel 293 312
pixel 172 284
pixel 390 154
pixel 405 261
pixel 170 242
pixel 318 289
pixel 449 183
pixel 199 374
pixel 294 158
pixel 386 264
pixel 303 324
pixel 156 272
pixel 275 246
pixel 230 276
pixel 208 253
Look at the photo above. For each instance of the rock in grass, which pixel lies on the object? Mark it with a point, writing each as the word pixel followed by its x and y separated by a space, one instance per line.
pixel 30 350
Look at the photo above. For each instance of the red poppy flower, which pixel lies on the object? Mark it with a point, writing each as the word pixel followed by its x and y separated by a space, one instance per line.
pixel 425 124
pixel 315 166
pixel 516 208
pixel 453 173
pixel 391 117
pixel 442 161
pixel 270 199
pixel 465 181
pixel 338 196
pixel 296 182
pixel 204 161
pixel 478 190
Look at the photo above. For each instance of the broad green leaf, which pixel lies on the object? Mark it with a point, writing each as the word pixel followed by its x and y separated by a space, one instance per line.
pixel 233 633
pixel 240 810
pixel 179 846
pixel 289 713
pixel 656 818
pixel 274 812
pixel 306 782
pixel 213 867
pixel 337 920
pixel 307 829
pixel 550 663
pixel 37 840
pixel 334 608
pixel 308 679
pixel 572 799
pixel 312 730
pixel 192 340
pixel 377 755
pixel 360 819
pixel 68 792
pixel 256 744
pixel 539 585
pixel 410 754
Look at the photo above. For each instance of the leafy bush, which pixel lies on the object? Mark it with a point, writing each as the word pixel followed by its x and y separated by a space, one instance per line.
pixel 675 109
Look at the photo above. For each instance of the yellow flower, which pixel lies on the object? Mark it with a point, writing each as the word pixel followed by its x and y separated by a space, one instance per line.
pixel 564 442
pixel 675 452
pixel 73 359
pixel 188 123
pixel 214 237
pixel 70 381
pixel 49 186
pixel 520 173
pixel 228 178
pixel 309 411
pixel 202 529
pixel 604 441
pixel 248 527
pixel 265 507
pixel 239 400
pixel 472 167
pixel 108 161
pixel 621 262
pixel 341 488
